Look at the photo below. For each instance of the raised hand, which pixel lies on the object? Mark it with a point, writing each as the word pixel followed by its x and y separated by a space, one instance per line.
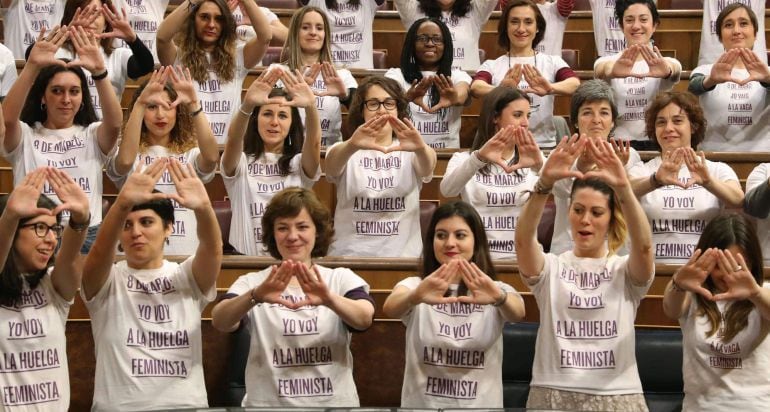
pixel 609 166
pixel 259 91
pixel 758 71
pixel 559 163
pixel 85 17
pixel 696 163
pixel 448 95
pixel 668 171
pixel 190 191
pixel 153 92
pixel 657 65
pixel 301 94
pixel 311 282
pixel 334 84
pixel 484 291
pixel 512 77
pixel 272 288
pixel 365 136
pixel 737 276
pixel 529 152
pixel 409 139
pixel 416 93
pixel 311 73
pixel 624 65
pixel 622 149
pixel 691 276
pixel 43 52
pixel 139 185
pixel 492 151
pixel 89 54
pixel 434 286
pixel 182 82
pixel 537 84
pixel 121 28
pixel 70 195
pixel 722 70
pixel 22 202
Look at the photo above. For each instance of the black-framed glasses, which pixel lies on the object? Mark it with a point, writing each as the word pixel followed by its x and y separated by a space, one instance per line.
pixel 373 104
pixel 424 39
pixel 42 229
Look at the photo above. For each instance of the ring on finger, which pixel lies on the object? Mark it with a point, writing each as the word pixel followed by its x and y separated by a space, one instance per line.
pixel 738 268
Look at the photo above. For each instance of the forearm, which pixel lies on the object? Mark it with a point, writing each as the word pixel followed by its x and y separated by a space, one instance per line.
pixel 424 161
pixel 675 301
pixel 642 186
pixel 357 314
pixel 337 158
pixel 565 87
pixel 207 143
pixel 463 94
pixel 8 226
pixel 455 180
pixel 167 29
pixel 68 272
pixel 234 144
pixel 102 254
pixel 513 308
pixel 311 147
pixel 258 21
pixel 208 255
pixel 480 88
pixel 11 112
pixel 641 263
pixel 227 314
pixel 112 115
pixel 603 70
pixel 729 193
pixel 400 301
pixel 528 252
pixel 762 302
pixel 129 144
pixel 757 202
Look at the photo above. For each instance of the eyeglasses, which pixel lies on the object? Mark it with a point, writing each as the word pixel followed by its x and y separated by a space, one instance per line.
pixel 41 229
pixel 373 104
pixel 424 39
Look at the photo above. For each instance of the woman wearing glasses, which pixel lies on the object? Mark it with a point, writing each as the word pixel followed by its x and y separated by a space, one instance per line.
pixel 378 172
pixel 436 92
pixel 35 295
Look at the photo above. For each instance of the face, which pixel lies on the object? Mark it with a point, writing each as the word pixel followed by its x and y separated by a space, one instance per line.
pixel 638 26
pixel 273 124
pixel 737 30
pixel 158 120
pixel 295 236
pixel 453 239
pixel 32 251
pixel 446 5
pixel 672 128
pixel 522 27
pixel 311 32
pixel 589 217
pixel 208 23
pixel 99 23
pixel 428 53
pixel 718 276
pixel 515 113
pixel 62 98
pixel 143 237
pixel 595 119
pixel 378 93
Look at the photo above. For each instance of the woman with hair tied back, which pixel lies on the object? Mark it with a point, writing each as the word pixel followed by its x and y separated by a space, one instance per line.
pixel 332 302
pixel 724 311
pixel 587 296
pixel 200 36
pixel 41 271
pixel 436 92
pixel 457 289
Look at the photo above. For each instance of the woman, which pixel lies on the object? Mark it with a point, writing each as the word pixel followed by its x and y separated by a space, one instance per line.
pixel 465 19
pixel 608 33
pixel 205 43
pixel 167 120
pixel 710 38
pixel 308 49
pixel 267 150
pixel 379 172
pixel 587 296
pixel 520 30
pixel 734 90
pixel 22 24
pixel 499 171
pixel 145 311
pixel 555 14
pixel 639 72
pixel 57 125
pixel 30 231
pixel 724 312
pixel 682 191
pixel 100 18
pixel 436 92
pixel 351 31
pixel 271 302
pixel 457 289
pixel 757 204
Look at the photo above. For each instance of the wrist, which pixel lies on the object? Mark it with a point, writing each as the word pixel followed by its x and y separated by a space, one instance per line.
pixel 675 286
pixel 501 300
pixel 253 299
pixel 654 182
pixel 98 74
pixel 79 223
pixel 542 187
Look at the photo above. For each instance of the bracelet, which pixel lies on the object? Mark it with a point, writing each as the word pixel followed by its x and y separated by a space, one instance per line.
pixel 197 112
pixel 79 227
pixel 654 182
pixel 501 301
pixel 675 287
pixel 99 76
pixel 475 154
pixel 541 189
pixel 243 112
pixel 253 300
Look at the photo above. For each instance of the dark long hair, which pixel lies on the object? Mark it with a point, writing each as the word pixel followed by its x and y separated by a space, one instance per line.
pixel 722 232
pixel 69 12
pixel 11 280
pixel 33 110
pixel 253 145
pixel 390 86
pixel 411 68
pixel 492 106
pixel 431 8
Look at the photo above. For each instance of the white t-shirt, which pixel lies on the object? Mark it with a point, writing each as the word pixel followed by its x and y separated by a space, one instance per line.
pixel 555 24
pixel 497 196
pixel 454 354
pixel 145 17
pixel 633 96
pixel 117 71
pixel 34 375
pixel 378 206
pixel 757 177
pixel 465 30
pixel 147 336
pixel 440 130
pixel 608 32
pixel 586 339
pixel 541 108
pixel 184 231
pixel 251 188
pixel 74 150
pixel 351 30
pixel 676 220
pixel 7 70
pixel 710 47
pixel 246 31
pixel 722 376
pixel 220 100
pixel 299 357
pixel 737 115
pixel 23 20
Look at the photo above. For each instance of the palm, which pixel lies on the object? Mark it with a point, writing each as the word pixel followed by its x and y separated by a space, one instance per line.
pixel 301 95
pixel 192 193
pixel 334 87
pixel 43 53
pixel 721 72
pixel 73 198
pixel 258 93
pixel 485 293
pixel 758 71
pixel 431 290
pixel 138 188
pixel 22 201
pixel 623 67
pixel 89 58
pixel 153 94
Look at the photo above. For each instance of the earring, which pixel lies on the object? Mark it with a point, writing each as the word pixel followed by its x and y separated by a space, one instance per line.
pixel 82 105
pixel 42 106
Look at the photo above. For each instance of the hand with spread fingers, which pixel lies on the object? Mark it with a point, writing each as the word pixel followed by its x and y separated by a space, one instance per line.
pixel 693 274
pixel 409 138
pixel 448 95
pixel 622 149
pixel 737 276
pixel 657 66
pixel 722 69
pixel 259 91
pixel 301 94
pixel 311 282
pixel 668 171
pixel 483 290
pixel 272 288
pixel 493 149
pixel 70 195
pixel 537 84
pixel 512 77
pixel 121 28
pixel 88 49
pixel 609 166
pixel 140 184
pixel 153 93
pixel 84 17
pixel 559 163
pixel 696 164
pixel 365 136
pixel 182 82
pixel 530 154
pixel 416 93
pixel 22 201
pixel 432 290
pixel 44 50
pixel 758 70
pixel 190 191
pixel 310 73
pixel 334 84
pixel 624 65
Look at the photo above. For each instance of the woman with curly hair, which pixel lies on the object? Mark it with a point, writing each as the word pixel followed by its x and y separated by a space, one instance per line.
pixel 165 120
pixel 200 35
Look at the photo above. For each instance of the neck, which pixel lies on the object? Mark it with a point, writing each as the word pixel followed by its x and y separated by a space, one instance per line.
pixel 521 51
pixel 153 263
pixel 55 125
pixel 155 140
pixel 592 254
pixel 276 148
pixel 311 58
pixel 428 68
pixel 385 138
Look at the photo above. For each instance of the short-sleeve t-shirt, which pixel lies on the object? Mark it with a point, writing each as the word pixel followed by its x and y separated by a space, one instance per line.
pixel 251 188
pixel 299 357
pixel 147 332
pixel 351 32
pixel 757 177
pixel 710 46
pixel 586 338
pixel 454 354
pixel 145 17
pixel 74 150
pixel 34 375
pixel 608 32
pixel 440 130
pixel 8 73
pixel 24 19
pixel 555 24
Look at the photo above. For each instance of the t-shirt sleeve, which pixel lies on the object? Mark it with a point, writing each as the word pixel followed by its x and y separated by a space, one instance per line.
pixel 347 79
pixel 336 179
pixel 91 136
pixel 481 10
pixel 97 301
pixel 204 177
pixel 17 153
pixel 460 76
pixel 484 73
pixel 240 286
pixel 410 283
pixel 724 172
pixel 602 60
pixel 8 78
pixel 550 264
pixel 636 292
pixel 62 305
pixel 203 297
pixel 240 168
